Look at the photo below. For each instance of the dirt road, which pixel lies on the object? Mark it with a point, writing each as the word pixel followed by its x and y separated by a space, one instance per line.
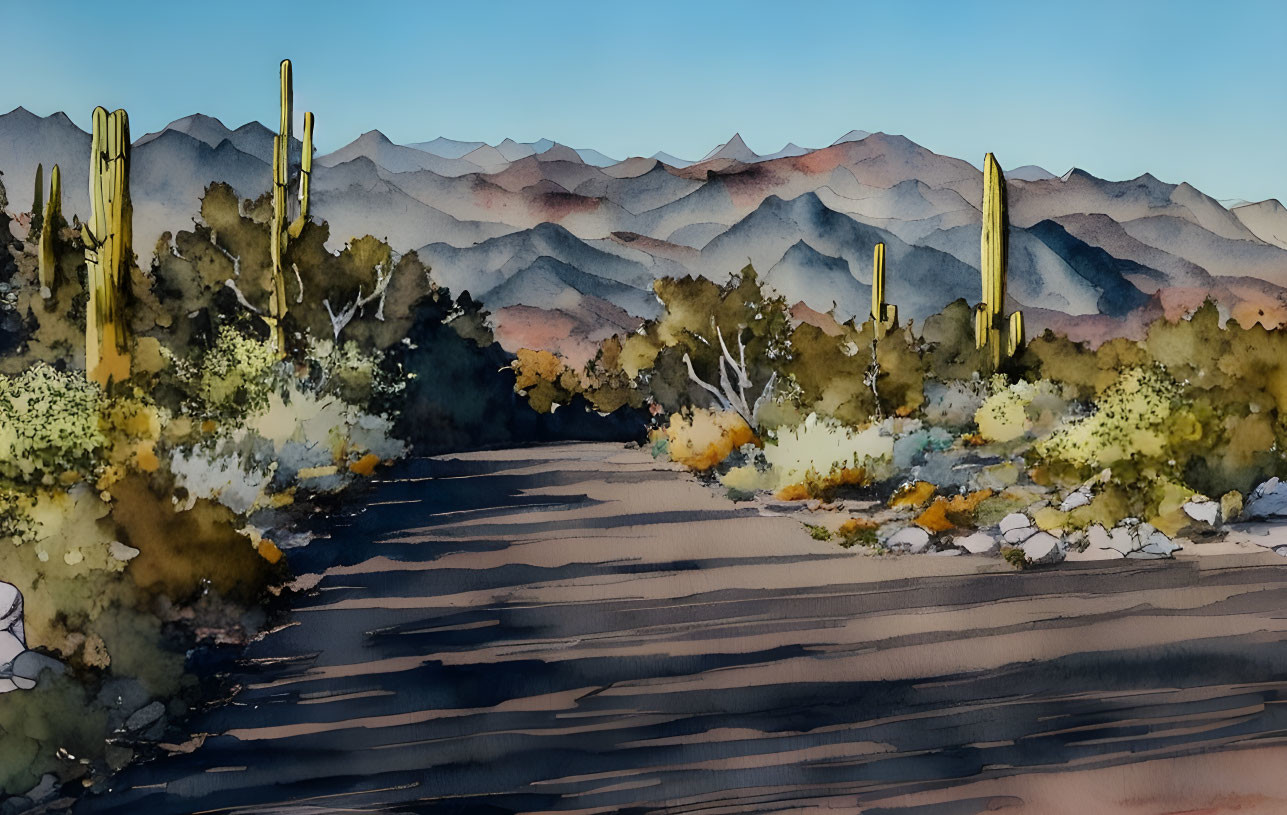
pixel 576 629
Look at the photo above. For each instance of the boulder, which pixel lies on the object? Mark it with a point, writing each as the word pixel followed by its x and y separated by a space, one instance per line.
pixel 1157 543
pixel 1123 540
pixel 1077 498
pixel 910 538
pixel 1203 511
pixel 1015 520
pixel 10 648
pixel 1042 549
pixel 1269 500
pixel 11 611
pixel 980 543
pixel 1017 528
pixel 29 665
pixel 145 716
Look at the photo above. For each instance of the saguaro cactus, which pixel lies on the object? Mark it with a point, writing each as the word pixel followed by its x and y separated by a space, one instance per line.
pixel 884 315
pixel 37 203
pixel 281 178
pixel 47 271
pixel 992 330
pixel 108 237
pixel 282 227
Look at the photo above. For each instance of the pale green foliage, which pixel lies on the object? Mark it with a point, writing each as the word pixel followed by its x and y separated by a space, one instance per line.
pixel 1133 419
pixel 352 372
pixel 49 424
pixel 816 448
pixel 234 378
pixel 1015 410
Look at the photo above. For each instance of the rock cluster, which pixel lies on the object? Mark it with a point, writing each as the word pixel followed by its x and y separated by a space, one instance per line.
pixel 1131 539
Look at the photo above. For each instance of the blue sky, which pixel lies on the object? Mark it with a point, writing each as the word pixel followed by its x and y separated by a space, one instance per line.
pixel 1186 90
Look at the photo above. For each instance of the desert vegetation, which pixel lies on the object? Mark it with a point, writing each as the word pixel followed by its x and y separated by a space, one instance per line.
pixel 167 429
pixel 954 435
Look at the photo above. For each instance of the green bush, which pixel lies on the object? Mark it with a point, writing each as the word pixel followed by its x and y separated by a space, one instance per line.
pixel 49 424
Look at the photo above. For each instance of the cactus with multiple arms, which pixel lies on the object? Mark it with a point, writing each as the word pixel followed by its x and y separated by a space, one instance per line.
pixel 108 255
pixel 281 178
pixel 992 330
pixel 53 216
pixel 884 315
pixel 282 227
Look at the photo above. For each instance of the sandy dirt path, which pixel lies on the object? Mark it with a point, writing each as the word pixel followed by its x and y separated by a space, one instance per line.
pixel 575 628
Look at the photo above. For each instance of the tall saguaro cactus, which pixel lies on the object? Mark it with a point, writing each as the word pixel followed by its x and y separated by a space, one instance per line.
pixel 281 178
pixel 283 229
pixel 992 330
pixel 47 271
pixel 884 315
pixel 108 237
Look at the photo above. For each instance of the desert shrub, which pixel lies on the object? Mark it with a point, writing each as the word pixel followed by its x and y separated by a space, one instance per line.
pixel 814 457
pixel 754 324
pixel 353 373
pixel 544 379
pixel 232 379
pixel 49 424
pixel 702 439
pixel 1135 419
pixel 1020 409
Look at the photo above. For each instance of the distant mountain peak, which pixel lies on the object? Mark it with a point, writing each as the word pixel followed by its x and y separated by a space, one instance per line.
pixel 734 149
pixel 1029 172
pixel 852 135
pixel 673 161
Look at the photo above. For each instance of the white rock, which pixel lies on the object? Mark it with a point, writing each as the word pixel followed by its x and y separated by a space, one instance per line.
pixel 1016 536
pixel 1015 520
pixel 1097 538
pixel 1157 543
pixel 1077 498
pixel 10 647
pixel 10 606
pixel 913 538
pixel 1208 512
pixel 1123 540
pixel 1269 500
pixel 1042 548
pixel 980 543
pixel 7 685
pixel 122 552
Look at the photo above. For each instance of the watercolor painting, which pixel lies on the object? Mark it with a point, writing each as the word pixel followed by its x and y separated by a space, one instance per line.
pixel 583 407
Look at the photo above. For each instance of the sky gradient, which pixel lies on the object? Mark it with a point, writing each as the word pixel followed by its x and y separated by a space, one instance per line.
pixel 1179 89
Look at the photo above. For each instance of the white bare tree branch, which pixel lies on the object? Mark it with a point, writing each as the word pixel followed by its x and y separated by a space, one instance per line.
pixel 734 379
pixel 241 298
pixel 346 314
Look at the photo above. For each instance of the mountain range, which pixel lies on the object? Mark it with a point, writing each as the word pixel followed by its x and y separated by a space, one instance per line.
pixel 547 235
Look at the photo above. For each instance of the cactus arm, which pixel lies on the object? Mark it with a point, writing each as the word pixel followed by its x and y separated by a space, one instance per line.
pixel 305 175
pixel 37 202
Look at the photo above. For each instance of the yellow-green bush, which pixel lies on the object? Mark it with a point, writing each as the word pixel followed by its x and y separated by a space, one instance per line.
pixel 702 439
pixel 49 424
